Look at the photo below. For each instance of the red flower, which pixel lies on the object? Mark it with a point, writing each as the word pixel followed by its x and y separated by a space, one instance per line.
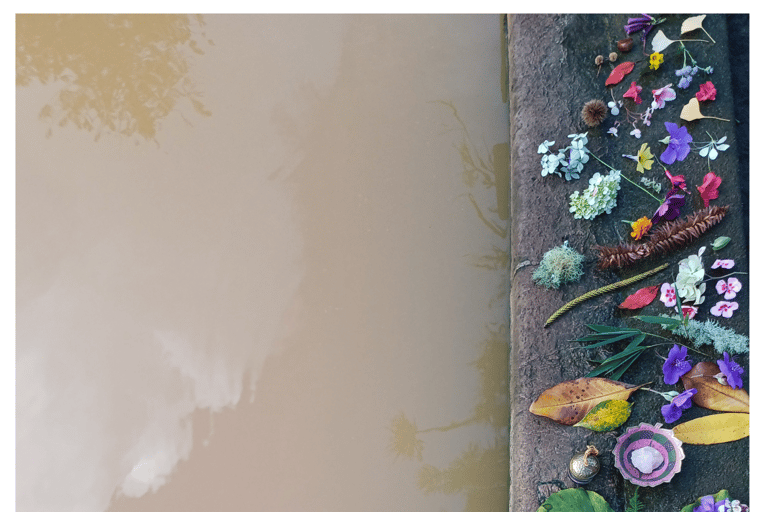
pixel 708 189
pixel 677 181
pixel 707 91
pixel 634 92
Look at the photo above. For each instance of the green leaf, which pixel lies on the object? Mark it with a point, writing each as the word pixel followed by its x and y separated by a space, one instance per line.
pixel 609 340
pixel 619 372
pixel 720 496
pixel 605 328
pixel 606 416
pixel 720 242
pixel 658 320
pixel 635 505
pixel 579 499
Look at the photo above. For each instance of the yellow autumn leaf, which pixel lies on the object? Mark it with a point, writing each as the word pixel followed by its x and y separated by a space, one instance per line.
pixel 691 112
pixel 713 429
pixel 606 416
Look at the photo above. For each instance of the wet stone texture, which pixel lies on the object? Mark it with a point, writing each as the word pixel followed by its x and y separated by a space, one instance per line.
pixel 552 75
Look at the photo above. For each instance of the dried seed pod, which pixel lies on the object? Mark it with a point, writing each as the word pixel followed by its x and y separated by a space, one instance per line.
pixel 594 112
pixel 625 44
pixel 613 56
pixel 598 60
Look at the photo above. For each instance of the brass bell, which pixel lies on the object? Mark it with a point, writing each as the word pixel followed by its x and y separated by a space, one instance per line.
pixel 584 466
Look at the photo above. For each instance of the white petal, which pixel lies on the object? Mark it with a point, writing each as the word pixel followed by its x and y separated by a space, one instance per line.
pixel 660 42
pixel 713 154
pixel 722 140
pixel 722 147
pixel 704 151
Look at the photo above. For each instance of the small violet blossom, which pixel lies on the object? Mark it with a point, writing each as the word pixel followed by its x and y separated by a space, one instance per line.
pixel 724 309
pixel 676 365
pixel 668 296
pixel 707 504
pixel 731 370
pixel 661 96
pixel 678 148
pixel 634 93
pixel 729 288
pixel 723 264
pixel 670 208
pixel 673 410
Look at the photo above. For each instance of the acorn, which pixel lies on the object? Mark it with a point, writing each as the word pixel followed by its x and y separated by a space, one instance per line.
pixel 625 44
pixel 583 467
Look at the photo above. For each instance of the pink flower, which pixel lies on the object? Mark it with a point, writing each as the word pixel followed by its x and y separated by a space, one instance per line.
pixel 729 289
pixel 724 309
pixel 668 295
pixel 660 96
pixel 708 189
pixel 690 311
pixel 707 91
pixel 723 264
pixel 677 181
pixel 634 92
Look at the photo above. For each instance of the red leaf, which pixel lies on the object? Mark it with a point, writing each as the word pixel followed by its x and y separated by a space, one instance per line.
pixel 708 189
pixel 619 72
pixel 640 298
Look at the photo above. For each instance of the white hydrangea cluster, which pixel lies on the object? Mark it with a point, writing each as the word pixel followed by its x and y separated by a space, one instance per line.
pixel 599 198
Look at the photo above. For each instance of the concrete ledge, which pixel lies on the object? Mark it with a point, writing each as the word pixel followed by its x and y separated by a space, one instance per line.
pixel 552 74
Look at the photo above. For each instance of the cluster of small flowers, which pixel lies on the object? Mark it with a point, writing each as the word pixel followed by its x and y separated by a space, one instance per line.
pixel 572 165
pixel 686 74
pixel 599 198
pixel 651 184
pixel 708 505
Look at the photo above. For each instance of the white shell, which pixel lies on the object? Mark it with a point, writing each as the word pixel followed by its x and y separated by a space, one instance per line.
pixel 646 459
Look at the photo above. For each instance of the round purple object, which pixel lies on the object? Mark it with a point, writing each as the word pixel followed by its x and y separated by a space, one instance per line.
pixel 656 437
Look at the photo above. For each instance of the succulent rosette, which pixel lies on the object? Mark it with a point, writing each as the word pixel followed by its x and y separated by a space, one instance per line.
pixel 654 449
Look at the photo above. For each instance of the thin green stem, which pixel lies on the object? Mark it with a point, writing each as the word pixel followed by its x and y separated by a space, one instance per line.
pixel 661 201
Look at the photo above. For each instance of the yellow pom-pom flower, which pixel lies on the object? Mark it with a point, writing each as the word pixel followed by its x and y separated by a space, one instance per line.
pixel 656 59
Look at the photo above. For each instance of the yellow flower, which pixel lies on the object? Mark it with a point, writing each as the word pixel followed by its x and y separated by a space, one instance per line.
pixel 656 59
pixel 640 227
pixel 644 158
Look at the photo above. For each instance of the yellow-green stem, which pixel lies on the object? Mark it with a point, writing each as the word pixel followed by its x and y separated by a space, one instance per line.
pixel 605 289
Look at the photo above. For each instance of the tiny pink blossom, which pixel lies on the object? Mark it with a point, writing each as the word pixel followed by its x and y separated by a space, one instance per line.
pixel 636 133
pixel 660 96
pixel 634 93
pixel 690 311
pixel 667 295
pixel 723 264
pixel 730 288
pixel 724 309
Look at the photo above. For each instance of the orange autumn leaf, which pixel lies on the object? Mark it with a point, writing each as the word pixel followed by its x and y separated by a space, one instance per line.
pixel 569 402
pixel 640 298
pixel 619 72
pixel 710 394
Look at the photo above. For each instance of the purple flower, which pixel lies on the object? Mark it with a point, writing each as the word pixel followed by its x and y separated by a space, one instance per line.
pixel 678 148
pixel 684 82
pixel 645 24
pixel 670 208
pixel 676 365
pixel 673 410
pixel 732 371
pixel 707 504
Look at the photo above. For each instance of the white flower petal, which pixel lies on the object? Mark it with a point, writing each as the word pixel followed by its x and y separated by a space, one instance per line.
pixel 704 151
pixel 712 154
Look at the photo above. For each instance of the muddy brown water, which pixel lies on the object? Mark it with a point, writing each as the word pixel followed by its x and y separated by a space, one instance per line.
pixel 262 263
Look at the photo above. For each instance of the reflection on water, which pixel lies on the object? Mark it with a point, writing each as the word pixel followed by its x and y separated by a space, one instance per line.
pixel 122 73
pixel 254 312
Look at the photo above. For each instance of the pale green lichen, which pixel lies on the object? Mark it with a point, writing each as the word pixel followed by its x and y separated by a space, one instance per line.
pixel 710 332
pixel 559 265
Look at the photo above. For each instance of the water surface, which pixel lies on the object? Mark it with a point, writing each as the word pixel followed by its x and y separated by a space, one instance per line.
pixel 262 263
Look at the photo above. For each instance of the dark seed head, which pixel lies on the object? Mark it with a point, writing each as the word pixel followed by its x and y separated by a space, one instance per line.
pixel 594 112
pixel 625 44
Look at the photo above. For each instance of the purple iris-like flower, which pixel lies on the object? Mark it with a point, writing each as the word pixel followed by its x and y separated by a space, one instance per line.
pixel 670 208
pixel 678 148
pixel 634 24
pixel 676 365
pixel 707 504
pixel 673 410
pixel 732 371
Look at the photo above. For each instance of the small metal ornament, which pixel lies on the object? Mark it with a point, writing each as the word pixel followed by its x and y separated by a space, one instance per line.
pixel 584 466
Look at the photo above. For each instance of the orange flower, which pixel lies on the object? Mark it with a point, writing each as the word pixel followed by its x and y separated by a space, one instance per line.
pixel 640 227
